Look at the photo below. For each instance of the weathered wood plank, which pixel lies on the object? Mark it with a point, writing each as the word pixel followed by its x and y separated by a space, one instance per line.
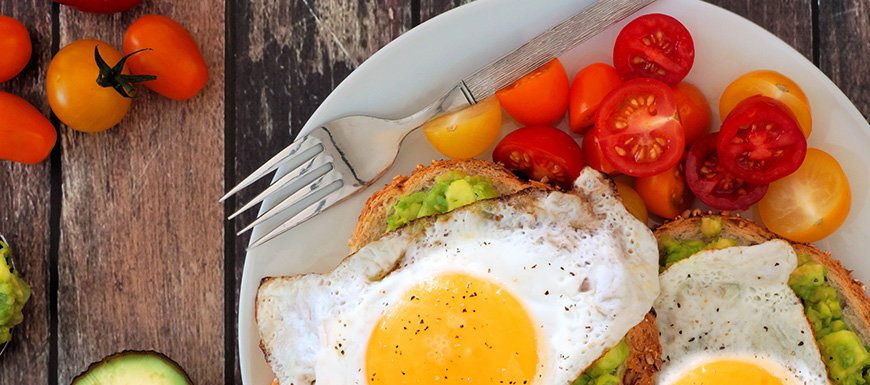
pixel 844 45
pixel 432 8
pixel 289 55
pixel 141 248
pixel 24 209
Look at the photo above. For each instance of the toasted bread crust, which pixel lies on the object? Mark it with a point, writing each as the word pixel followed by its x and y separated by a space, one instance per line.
pixel 645 358
pixel 372 223
pixel 854 301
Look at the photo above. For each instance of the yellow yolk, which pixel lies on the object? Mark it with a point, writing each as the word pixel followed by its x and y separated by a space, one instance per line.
pixel 728 372
pixel 453 329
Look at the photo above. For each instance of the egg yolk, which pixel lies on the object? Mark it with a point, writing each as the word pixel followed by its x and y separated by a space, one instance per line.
pixel 728 372
pixel 453 329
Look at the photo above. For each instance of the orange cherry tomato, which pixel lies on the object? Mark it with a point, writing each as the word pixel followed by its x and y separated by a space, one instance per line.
pixel 539 98
pixel 773 85
pixel 694 111
pixel 173 57
pixel 809 204
pixel 16 47
pixel 27 136
pixel 632 201
pixel 665 194
pixel 589 87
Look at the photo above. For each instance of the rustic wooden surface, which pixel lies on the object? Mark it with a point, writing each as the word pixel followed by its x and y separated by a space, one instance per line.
pixel 119 232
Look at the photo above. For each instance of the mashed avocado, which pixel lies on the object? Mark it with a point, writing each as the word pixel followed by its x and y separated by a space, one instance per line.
pixel 605 370
pixel 847 359
pixel 675 250
pixel 14 293
pixel 450 190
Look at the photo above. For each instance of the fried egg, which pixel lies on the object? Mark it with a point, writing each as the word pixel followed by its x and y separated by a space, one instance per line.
pixel 526 289
pixel 728 316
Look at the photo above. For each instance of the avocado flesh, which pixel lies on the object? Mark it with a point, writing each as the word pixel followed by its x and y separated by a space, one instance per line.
pixel 605 370
pixel 451 190
pixel 14 293
pixel 140 368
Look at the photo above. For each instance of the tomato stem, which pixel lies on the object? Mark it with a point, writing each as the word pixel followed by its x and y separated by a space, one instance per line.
pixel 114 76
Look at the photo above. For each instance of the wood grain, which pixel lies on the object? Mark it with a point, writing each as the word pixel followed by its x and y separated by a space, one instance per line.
pixel 140 260
pixel 289 55
pixel 844 44
pixel 24 209
pixel 790 20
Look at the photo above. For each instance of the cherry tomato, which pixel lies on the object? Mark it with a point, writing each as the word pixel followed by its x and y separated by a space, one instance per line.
pixel 713 184
pixel 16 47
pixel 638 128
pixel 593 155
pixel 694 111
pixel 173 57
pixel 589 87
pixel 73 92
pixel 466 133
pixel 665 194
pixel 540 153
pixel 771 84
pixel 654 46
pixel 760 141
pixel 100 6
pixel 632 201
pixel 539 98
pixel 809 204
pixel 28 136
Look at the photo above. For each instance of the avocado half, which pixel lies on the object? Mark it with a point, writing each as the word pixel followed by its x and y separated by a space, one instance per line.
pixel 134 367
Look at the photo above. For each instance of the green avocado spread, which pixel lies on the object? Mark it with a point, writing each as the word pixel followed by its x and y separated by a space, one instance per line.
pixel 14 293
pixel 605 370
pixel 450 190
pixel 675 250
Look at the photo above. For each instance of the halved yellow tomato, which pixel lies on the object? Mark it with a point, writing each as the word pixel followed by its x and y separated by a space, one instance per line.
pixel 809 204
pixel 773 85
pixel 468 132
pixel 632 201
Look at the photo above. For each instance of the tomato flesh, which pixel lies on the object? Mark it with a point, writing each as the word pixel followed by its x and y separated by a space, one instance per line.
pixel 589 87
pixel 654 46
pixel 638 128
pixel 539 98
pixel 713 184
pixel 665 194
pixel 772 84
pixel 541 153
pixel 760 141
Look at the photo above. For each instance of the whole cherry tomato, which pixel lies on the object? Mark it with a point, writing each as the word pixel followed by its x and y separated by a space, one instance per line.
pixel 27 136
pixel 665 194
pixel 541 152
pixel 593 154
pixel 100 6
pixel 694 111
pixel 539 98
pixel 773 85
pixel 713 184
pixel 589 87
pixel 654 46
pixel 468 132
pixel 172 55
pixel 16 47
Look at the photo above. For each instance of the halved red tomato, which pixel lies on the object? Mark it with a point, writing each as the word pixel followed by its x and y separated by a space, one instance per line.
pixel 638 128
pixel 760 141
pixel 713 184
pixel 539 98
pixel 589 87
pixel 593 155
pixel 654 46
pixel 541 153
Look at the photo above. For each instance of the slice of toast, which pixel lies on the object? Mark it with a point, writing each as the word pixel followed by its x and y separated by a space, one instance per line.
pixel 855 304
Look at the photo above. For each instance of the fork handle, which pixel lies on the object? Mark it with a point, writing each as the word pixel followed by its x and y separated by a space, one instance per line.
pixel 458 97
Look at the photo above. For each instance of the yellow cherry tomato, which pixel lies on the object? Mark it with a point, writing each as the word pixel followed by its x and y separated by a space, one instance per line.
pixel 466 133
pixel 773 85
pixel 73 92
pixel 632 201
pixel 809 204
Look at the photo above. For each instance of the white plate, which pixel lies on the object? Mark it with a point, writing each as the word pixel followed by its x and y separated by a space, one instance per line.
pixel 425 62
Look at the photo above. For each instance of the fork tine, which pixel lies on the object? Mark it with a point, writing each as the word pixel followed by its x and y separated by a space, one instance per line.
pixel 311 183
pixel 286 155
pixel 291 177
pixel 321 202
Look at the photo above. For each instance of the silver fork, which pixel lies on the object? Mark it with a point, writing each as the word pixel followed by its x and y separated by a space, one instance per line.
pixel 330 163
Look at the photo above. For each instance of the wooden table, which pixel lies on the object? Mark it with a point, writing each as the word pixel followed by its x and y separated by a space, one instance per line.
pixel 120 233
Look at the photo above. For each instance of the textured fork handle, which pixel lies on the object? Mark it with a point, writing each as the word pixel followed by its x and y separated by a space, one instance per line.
pixel 548 45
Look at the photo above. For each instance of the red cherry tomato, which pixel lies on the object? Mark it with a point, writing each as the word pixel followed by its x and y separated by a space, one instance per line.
pixel 665 194
pixel 589 87
pixel 694 111
pixel 173 57
pixel 100 6
pixel 593 155
pixel 638 128
pixel 539 98
pixel 714 185
pixel 16 47
pixel 541 152
pixel 27 136
pixel 760 140
pixel 654 46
